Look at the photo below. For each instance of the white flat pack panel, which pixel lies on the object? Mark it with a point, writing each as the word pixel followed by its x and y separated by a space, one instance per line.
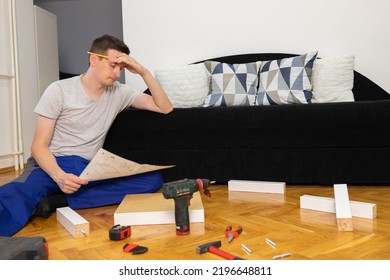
pixel 146 209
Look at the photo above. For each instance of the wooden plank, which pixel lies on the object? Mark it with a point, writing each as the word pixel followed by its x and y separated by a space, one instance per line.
pixel 343 209
pixel 327 204
pixel 147 209
pixel 72 222
pixel 257 186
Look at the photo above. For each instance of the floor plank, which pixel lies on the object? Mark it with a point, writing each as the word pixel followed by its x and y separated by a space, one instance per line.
pixel 306 234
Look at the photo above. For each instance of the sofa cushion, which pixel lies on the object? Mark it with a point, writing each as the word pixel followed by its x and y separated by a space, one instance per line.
pixel 186 86
pixel 231 84
pixel 333 79
pixel 286 81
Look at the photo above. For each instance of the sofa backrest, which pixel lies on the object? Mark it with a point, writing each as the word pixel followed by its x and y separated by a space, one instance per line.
pixel 364 89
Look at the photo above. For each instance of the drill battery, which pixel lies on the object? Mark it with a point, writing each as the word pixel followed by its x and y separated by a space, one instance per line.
pixel 119 232
pixel 23 248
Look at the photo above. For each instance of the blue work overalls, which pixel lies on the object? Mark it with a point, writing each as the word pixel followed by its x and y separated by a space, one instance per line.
pixel 19 198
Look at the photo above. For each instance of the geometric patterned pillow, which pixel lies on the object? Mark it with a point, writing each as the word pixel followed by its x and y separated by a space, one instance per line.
pixel 231 84
pixel 286 81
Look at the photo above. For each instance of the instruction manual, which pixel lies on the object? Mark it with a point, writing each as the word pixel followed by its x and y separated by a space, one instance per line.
pixel 105 165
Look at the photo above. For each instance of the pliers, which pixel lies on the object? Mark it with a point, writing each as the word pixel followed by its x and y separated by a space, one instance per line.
pixel 230 233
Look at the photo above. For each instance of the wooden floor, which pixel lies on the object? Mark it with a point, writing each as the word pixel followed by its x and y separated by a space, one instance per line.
pixel 306 234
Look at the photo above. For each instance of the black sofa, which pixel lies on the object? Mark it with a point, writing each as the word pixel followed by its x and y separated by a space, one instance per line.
pixel 318 144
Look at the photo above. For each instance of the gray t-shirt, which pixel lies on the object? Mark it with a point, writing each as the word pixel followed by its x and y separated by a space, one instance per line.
pixel 82 123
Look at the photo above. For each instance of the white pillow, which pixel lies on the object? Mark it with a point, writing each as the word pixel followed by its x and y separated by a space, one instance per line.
pixel 332 79
pixel 186 86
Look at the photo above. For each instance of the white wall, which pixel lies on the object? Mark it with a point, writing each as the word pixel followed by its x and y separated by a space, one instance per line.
pixel 175 32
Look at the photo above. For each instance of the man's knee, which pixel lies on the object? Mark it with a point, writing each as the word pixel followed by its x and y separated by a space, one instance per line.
pixel 155 181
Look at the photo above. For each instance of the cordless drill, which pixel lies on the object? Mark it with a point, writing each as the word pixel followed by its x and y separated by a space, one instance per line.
pixel 181 191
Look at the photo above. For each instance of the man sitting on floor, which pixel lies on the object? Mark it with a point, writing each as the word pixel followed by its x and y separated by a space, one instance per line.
pixel 74 116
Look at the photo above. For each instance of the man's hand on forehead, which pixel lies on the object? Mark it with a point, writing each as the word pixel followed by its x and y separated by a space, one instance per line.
pixel 130 64
pixel 121 59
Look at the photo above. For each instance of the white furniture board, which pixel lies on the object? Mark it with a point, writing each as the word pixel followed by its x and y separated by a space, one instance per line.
pixel 257 186
pixel 147 209
pixel 327 204
pixel 46 47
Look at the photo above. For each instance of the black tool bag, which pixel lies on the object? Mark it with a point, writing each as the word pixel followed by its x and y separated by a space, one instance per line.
pixel 23 248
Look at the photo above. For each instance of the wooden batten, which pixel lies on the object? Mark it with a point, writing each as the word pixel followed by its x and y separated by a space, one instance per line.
pixel 72 222
pixel 327 204
pixel 257 186
pixel 343 209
